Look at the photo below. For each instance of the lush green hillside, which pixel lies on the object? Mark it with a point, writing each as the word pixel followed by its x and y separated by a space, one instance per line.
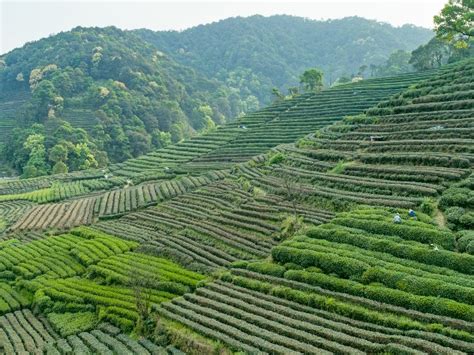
pixel 288 248
pixel 282 122
pixel 91 96
pixel 257 53
pixel 252 135
pixel 128 96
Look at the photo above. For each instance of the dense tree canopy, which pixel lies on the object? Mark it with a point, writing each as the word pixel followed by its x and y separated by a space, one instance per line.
pixel 431 55
pixel 256 54
pixel 132 92
pixel 454 30
pixel 455 23
pixel 312 79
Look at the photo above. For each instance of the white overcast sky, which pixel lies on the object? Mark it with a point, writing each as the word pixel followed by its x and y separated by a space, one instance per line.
pixel 23 21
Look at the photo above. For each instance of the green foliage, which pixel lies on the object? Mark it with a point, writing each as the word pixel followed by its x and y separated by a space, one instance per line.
pixel 312 79
pixel 466 241
pixel 419 233
pixel 360 283
pixel 253 55
pixel 60 168
pixel 3 224
pixel 290 226
pixel 417 285
pixel 267 268
pixel 33 152
pixel 397 63
pixel 329 263
pixel 360 119
pixel 428 206
pixel 36 164
pixel 405 250
pixel 276 158
pixel 454 214
pixel 458 204
pixel 428 304
pixel 258 192
pixel 335 306
pixel 431 55
pixel 457 196
pixel 134 94
pixel 72 323
pixel 339 168
pixel 454 23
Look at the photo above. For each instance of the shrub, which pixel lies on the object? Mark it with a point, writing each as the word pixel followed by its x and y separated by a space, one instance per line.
pixel 466 241
pixel 428 304
pixel 455 261
pixel 331 304
pixel 457 196
pixel 329 263
pixel 428 206
pixel 240 264
pixel 454 214
pixel 72 323
pixel 267 268
pixel 418 285
pixel 291 225
pixel 339 168
pixel 359 119
pixel 7 275
pixel 467 220
pixel 258 192
pixel 408 232
pixel 276 158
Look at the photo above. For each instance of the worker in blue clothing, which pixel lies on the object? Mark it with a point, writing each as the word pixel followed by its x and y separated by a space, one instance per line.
pixel 412 214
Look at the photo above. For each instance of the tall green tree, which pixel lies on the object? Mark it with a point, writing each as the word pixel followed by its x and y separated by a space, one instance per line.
pixel 58 153
pixel 455 23
pixel 431 55
pixel 397 63
pixel 312 79
pixel 36 165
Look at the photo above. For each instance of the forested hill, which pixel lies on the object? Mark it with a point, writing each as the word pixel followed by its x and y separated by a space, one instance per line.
pixel 257 53
pixel 93 96
pixel 128 96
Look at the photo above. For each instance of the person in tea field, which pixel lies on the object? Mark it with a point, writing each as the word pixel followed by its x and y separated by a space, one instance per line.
pixel 397 218
pixel 411 213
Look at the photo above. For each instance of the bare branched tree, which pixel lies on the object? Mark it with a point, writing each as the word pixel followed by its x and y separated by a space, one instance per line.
pixel 292 191
pixel 142 292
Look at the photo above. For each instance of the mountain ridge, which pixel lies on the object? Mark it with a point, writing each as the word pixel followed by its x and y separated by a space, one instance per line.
pixel 281 47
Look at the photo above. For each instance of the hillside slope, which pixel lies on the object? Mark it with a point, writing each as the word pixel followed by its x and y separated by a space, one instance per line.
pixel 127 95
pixel 257 53
pixel 370 158
pixel 252 135
pixel 292 251
pixel 282 122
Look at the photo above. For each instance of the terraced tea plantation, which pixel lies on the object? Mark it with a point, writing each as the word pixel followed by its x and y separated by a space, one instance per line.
pixel 402 152
pixel 287 231
pixel 10 102
pixel 283 122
